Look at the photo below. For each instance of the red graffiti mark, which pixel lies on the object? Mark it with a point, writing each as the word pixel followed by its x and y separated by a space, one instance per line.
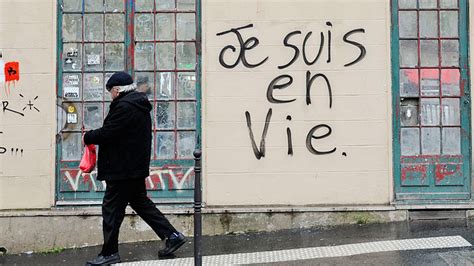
pixel 443 171
pixel 12 71
pixel 409 171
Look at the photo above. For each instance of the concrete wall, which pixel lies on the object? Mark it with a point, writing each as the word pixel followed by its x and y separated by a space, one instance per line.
pixel 358 171
pixel 28 36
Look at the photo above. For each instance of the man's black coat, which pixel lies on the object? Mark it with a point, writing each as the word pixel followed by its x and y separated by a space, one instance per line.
pixel 124 139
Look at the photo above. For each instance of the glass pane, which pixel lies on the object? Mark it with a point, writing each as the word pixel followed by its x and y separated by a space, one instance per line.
pixel 114 27
pixel 186 4
pixel 164 27
pixel 93 116
pixel 430 112
pixel 144 27
pixel 407 4
pixel 93 24
pixel 429 82
pixel 186 115
pixel 448 24
pixel 165 56
pixel 186 85
pixel 165 145
pixel 93 86
pixel 165 4
pixel 94 57
pixel 409 112
pixel 143 5
pixel 73 116
pixel 410 138
pixel 114 56
pixel 144 56
pixel 145 84
pixel 107 96
pixel 408 82
pixel 408 53
pixel 72 57
pixel 450 82
pixel 72 27
pixel 452 140
pixel 448 3
pixel 114 6
pixel 408 24
pixel 186 58
pixel 72 6
pixel 451 112
pixel 428 24
pixel 165 115
pixel 428 3
pixel 429 53
pixel 71 146
pixel 186 144
pixel 450 53
pixel 93 5
pixel 430 141
pixel 186 26
pixel 72 84
pixel 165 85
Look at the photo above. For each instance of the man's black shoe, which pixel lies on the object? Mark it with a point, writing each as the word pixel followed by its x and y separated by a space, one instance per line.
pixel 105 260
pixel 175 241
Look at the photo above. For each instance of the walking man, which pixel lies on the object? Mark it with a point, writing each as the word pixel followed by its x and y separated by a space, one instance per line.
pixel 123 162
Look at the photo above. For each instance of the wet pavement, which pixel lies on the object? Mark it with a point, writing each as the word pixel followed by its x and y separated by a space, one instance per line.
pixel 294 239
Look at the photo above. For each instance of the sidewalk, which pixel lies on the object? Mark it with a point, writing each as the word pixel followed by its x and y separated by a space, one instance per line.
pixel 407 244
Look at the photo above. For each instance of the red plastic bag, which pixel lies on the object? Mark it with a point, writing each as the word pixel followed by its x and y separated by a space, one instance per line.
pixel 88 159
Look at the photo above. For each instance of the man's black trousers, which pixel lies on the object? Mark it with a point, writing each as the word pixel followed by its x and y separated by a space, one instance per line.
pixel 117 195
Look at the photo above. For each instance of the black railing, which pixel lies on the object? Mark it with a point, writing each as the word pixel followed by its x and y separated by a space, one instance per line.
pixel 197 208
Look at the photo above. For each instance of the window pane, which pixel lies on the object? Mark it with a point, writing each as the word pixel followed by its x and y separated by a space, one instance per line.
pixel 71 147
pixel 165 56
pixel 93 116
pixel 93 87
pixel 448 3
pixel 165 4
pixel 73 116
pixel 429 82
pixel 451 112
pixel 107 96
pixel 186 85
pixel 409 112
pixel 186 5
pixel 429 53
pixel 164 27
pixel 407 4
pixel 448 23
pixel 114 57
pixel 72 57
pixel 144 27
pixel 186 144
pixel 408 53
pixel 186 26
pixel 143 5
pixel 72 27
pixel 144 56
pixel 93 23
pixel 428 24
pixel 165 85
pixel 450 82
pixel 114 27
pixel 410 139
pixel 428 3
pixel 93 5
pixel 186 115
pixel 430 112
pixel 430 141
pixel 165 115
pixel 145 84
pixel 450 53
pixel 186 57
pixel 165 145
pixel 452 140
pixel 72 6
pixel 114 6
pixel 72 84
pixel 94 57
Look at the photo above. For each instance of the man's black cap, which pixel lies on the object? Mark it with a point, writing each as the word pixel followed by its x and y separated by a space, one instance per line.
pixel 119 79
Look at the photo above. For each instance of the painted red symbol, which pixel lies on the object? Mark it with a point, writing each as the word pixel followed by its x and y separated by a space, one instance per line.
pixel 12 71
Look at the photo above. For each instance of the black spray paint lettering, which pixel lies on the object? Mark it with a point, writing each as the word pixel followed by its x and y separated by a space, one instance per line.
pixel 274 85
pixel 30 105
pixel 360 46
pixel 311 136
pixel 309 83
pixel 288 135
pixel 5 108
pixel 294 47
pixel 249 44
pixel 258 153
